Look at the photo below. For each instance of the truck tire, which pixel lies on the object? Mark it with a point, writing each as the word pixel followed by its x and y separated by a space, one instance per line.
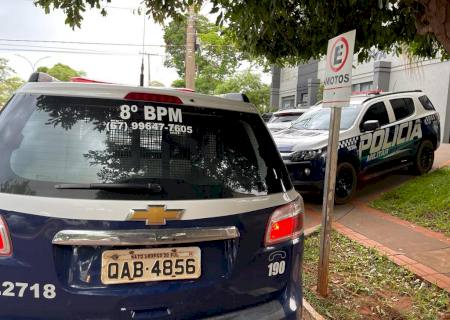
pixel 424 158
pixel 346 181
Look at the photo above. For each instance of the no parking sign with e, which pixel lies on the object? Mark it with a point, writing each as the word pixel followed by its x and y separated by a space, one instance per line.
pixel 338 70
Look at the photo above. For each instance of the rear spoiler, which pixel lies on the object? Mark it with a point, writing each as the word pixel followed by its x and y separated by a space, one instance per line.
pixel 235 96
pixel 41 77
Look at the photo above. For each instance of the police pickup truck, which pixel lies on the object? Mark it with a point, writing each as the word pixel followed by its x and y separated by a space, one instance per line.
pixel 379 133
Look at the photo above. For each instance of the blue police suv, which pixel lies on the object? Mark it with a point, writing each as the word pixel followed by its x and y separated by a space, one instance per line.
pixel 124 203
pixel 379 133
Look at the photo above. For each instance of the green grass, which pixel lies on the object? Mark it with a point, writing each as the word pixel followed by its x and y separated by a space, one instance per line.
pixel 365 285
pixel 424 200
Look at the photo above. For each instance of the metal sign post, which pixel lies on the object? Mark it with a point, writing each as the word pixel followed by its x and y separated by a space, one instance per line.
pixel 337 93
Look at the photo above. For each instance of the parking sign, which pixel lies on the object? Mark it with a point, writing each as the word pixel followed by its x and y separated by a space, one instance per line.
pixel 338 71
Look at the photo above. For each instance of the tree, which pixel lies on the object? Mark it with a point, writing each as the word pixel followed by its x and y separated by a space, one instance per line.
pixel 250 84
pixel 61 72
pixel 8 82
pixel 295 31
pixel 215 58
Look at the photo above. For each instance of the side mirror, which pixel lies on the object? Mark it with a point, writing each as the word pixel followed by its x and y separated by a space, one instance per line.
pixel 371 125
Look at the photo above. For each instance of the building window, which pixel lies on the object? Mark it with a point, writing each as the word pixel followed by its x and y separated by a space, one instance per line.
pixel 364 86
pixel 288 102
pixel 304 102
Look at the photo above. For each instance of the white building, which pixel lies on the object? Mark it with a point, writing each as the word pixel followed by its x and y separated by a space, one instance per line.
pixel 298 86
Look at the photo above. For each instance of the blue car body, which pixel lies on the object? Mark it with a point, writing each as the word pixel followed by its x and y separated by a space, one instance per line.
pixel 60 226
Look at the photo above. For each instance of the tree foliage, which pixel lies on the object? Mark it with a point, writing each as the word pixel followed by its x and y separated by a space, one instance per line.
pixel 61 72
pixel 250 84
pixel 8 82
pixel 295 31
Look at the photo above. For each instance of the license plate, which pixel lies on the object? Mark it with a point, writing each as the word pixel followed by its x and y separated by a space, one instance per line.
pixel 143 265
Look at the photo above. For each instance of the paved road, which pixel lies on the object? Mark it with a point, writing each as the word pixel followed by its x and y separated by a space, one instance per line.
pixel 424 252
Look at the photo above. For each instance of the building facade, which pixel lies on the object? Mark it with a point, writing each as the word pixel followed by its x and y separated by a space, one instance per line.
pixel 300 86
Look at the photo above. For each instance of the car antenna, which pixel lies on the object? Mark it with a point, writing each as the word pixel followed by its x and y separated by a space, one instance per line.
pixel 141 77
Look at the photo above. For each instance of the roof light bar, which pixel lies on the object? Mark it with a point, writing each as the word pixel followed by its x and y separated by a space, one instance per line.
pixel 85 80
pixel 153 97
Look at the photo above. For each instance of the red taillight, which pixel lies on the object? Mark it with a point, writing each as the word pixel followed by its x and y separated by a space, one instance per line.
pixel 5 240
pixel 153 97
pixel 286 223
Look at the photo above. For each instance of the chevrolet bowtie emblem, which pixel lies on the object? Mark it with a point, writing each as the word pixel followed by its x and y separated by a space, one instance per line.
pixel 155 215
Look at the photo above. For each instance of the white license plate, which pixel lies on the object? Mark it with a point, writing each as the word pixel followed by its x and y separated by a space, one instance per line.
pixel 143 265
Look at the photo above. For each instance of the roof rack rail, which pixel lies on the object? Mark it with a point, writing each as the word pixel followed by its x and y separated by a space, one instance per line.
pixel 390 93
pixel 235 96
pixel 41 77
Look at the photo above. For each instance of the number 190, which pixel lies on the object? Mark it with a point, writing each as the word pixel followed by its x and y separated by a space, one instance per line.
pixel 276 268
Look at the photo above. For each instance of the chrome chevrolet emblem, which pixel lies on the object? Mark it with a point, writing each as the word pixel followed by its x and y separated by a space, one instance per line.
pixel 155 215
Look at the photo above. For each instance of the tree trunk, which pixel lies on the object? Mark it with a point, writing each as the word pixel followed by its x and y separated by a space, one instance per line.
pixel 435 20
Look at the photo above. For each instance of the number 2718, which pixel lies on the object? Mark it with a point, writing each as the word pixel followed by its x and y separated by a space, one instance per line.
pixel 21 289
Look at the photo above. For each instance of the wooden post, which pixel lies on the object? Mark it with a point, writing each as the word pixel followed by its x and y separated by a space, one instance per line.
pixel 190 50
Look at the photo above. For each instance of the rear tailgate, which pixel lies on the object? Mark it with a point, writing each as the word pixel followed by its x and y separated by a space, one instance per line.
pixel 234 270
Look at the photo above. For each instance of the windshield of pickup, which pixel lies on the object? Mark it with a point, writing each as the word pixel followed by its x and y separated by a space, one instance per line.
pixel 318 118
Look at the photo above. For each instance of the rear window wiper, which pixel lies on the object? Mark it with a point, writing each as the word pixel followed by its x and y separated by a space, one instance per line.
pixel 153 187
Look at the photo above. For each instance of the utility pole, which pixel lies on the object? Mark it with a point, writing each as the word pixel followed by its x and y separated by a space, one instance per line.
pixel 190 50
pixel 141 75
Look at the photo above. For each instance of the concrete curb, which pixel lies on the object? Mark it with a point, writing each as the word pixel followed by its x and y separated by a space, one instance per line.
pixel 420 270
pixel 309 313
pixel 312 230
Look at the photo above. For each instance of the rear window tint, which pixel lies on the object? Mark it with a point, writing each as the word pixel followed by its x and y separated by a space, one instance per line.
pixel 426 103
pixel 403 107
pixel 193 153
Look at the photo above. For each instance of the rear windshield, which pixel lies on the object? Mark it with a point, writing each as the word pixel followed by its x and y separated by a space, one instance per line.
pixel 190 152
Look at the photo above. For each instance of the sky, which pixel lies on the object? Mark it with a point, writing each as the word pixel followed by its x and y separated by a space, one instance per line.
pixel 21 20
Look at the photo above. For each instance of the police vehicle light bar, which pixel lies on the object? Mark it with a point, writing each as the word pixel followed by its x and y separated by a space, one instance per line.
pixel 184 89
pixel 367 92
pixel 86 80
pixel 285 223
pixel 153 97
pixel 5 240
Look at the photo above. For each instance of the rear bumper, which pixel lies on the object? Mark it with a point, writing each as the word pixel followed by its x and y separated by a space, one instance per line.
pixel 232 290
pixel 272 310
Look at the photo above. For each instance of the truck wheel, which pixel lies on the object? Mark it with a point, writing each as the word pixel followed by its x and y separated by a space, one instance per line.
pixel 346 180
pixel 424 158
